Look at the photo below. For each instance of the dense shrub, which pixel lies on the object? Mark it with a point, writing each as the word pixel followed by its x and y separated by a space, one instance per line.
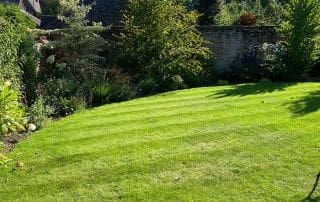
pixel 38 112
pixel 274 12
pixel 62 94
pixel 16 63
pixel 258 62
pixel 28 58
pixel 50 7
pixel 229 13
pixel 272 59
pixel 302 30
pixel 14 28
pixel 315 71
pixel 249 13
pixel 9 69
pixel 113 86
pixel 147 86
pixel 207 8
pixel 245 68
pixel 11 111
pixel 161 42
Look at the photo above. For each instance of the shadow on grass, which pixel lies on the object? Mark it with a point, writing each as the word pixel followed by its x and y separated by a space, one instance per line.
pixel 314 188
pixel 251 89
pixel 312 199
pixel 305 105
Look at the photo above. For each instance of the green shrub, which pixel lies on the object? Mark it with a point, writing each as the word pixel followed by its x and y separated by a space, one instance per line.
pixel 265 61
pixel 265 81
pixel 112 92
pixel 271 60
pixel 102 93
pixel 28 61
pixel 50 7
pixel 249 13
pixel 11 112
pixel 205 7
pixel 229 13
pixel 121 92
pixel 62 95
pixel 173 82
pixel 39 112
pixel 302 30
pixel 160 40
pixel 147 86
pixel 274 12
pixel 114 86
pixel 69 106
pixel 223 82
pixel 14 28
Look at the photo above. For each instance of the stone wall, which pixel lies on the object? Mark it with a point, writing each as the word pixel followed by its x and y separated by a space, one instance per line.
pixel 229 43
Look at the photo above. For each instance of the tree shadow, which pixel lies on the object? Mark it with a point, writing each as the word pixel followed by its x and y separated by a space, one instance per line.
pixel 305 105
pixel 251 89
pixel 309 198
pixel 312 199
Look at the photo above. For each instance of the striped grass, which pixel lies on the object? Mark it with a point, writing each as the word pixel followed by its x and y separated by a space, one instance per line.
pixel 229 143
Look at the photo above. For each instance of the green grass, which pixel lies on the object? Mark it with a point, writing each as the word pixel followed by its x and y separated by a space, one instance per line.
pixel 229 143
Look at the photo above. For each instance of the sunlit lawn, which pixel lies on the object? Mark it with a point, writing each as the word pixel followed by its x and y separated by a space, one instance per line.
pixel 245 142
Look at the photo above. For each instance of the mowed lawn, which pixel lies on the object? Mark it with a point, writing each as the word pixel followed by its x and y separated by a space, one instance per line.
pixel 228 143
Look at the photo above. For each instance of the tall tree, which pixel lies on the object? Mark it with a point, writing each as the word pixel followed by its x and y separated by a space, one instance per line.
pixel 302 29
pixel 207 9
pixel 75 61
pixel 161 41
pixel 50 7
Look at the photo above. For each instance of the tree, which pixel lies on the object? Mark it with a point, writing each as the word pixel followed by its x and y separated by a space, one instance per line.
pixel 160 41
pixel 207 9
pixel 74 63
pixel 302 30
pixel 267 13
pixel 50 7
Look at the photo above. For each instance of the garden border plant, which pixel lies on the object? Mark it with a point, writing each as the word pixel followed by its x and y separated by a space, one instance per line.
pixel 15 31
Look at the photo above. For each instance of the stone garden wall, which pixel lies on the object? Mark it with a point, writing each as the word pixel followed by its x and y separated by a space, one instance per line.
pixel 229 43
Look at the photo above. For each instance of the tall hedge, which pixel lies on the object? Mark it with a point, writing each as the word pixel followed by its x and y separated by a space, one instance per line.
pixel 14 29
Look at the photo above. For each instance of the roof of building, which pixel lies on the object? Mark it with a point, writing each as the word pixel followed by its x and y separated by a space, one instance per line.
pixel 10 1
pixel 35 4
pixel 108 12
pixel 31 8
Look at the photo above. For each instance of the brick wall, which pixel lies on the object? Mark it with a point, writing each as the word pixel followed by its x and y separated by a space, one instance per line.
pixel 229 43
